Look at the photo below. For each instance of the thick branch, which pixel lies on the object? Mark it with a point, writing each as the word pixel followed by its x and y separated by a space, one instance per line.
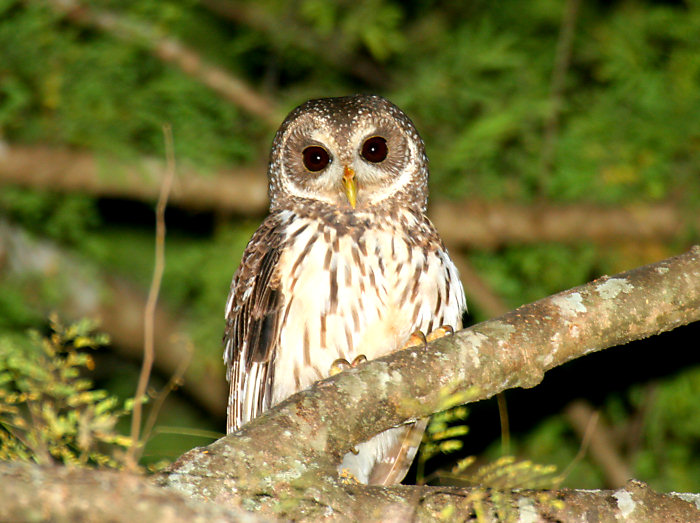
pixel 64 494
pixel 293 450
pixel 61 494
pixel 244 190
pixel 241 191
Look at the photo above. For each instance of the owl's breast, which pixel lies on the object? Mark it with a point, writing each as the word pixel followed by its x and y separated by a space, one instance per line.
pixel 348 292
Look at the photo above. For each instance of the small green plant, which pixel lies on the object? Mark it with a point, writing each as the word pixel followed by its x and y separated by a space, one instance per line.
pixel 49 411
pixel 494 481
pixel 442 437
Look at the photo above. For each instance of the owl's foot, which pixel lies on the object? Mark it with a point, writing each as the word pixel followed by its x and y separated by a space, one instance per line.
pixel 342 364
pixel 348 477
pixel 440 332
pixel 418 339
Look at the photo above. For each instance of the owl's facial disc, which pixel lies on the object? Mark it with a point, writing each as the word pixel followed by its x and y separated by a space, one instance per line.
pixel 354 153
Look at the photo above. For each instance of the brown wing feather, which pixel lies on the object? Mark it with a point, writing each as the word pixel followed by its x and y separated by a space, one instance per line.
pixel 252 325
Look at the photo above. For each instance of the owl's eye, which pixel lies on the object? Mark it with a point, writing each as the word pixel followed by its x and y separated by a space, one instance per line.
pixel 316 158
pixel 375 149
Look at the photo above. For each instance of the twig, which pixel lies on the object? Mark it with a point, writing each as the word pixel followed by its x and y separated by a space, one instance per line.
pixel 556 89
pixel 585 442
pixel 172 51
pixel 151 302
pixel 603 450
pixel 505 423
pixel 175 381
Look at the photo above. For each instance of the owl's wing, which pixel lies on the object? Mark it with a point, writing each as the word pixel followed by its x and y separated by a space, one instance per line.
pixel 252 326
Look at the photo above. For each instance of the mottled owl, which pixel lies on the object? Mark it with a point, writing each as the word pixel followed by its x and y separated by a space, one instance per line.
pixel 345 264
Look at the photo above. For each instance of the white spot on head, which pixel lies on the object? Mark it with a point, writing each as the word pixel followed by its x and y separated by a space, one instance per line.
pixel 624 502
pixel 609 289
pixel 662 270
pixel 570 304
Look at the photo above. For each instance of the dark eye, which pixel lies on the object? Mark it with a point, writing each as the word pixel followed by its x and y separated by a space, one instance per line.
pixel 316 158
pixel 374 149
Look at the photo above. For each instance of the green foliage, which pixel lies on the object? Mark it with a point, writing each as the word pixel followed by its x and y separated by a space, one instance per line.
pixel 670 458
pixel 49 412
pixel 443 437
pixel 63 217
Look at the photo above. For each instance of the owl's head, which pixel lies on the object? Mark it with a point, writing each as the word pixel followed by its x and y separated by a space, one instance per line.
pixel 355 152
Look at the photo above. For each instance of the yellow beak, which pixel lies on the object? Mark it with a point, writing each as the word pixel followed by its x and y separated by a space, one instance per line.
pixel 350 185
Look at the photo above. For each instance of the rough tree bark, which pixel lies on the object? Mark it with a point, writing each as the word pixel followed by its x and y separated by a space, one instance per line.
pixel 284 464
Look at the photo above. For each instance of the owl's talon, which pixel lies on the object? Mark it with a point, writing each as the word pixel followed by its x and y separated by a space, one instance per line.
pixel 342 364
pixel 417 339
pixel 339 366
pixel 348 477
pixel 440 332
pixel 359 359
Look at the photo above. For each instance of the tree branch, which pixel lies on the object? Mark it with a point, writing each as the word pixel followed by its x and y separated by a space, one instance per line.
pixel 329 49
pixel 244 190
pixel 292 452
pixel 64 494
pixel 172 51
pixel 241 190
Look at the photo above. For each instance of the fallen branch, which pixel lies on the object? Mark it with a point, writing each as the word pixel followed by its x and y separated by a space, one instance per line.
pixel 284 463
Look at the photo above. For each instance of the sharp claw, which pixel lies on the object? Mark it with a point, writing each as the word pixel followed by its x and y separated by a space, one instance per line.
pixel 339 366
pixel 440 332
pixel 417 339
pixel 342 364
pixel 360 359
pixel 348 477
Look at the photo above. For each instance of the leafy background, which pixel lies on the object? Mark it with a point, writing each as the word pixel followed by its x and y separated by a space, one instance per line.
pixel 620 126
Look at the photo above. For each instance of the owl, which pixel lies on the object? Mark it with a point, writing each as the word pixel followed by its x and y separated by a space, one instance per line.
pixel 346 265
